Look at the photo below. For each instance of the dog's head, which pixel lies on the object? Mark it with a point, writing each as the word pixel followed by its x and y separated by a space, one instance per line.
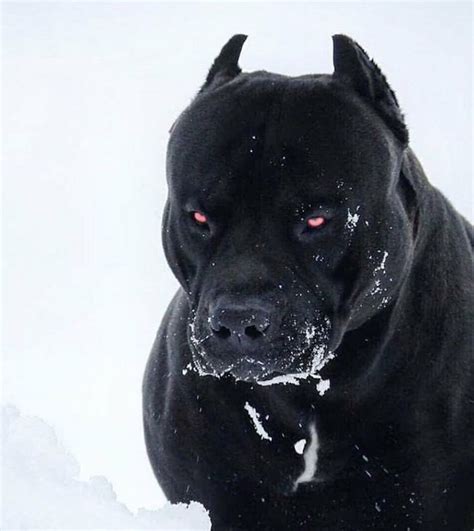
pixel 285 222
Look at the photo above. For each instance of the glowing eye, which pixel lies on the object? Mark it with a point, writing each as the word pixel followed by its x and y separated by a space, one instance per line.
pixel 316 222
pixel 199 217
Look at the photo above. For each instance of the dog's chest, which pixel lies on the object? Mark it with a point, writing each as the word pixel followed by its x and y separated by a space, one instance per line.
pixel 306 453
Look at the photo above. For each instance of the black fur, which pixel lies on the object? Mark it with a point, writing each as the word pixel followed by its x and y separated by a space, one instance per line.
pixel 386 285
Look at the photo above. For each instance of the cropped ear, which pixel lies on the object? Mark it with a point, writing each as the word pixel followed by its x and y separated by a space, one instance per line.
pixel 226 64
pixel 353 66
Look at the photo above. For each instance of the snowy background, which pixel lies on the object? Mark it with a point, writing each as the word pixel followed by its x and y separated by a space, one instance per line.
pixel 89 93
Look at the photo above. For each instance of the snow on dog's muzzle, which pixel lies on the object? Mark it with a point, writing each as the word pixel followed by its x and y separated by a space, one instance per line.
pixel 288 357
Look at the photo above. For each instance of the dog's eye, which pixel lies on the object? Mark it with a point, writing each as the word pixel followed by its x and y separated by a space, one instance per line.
pixel 316 222
pixel 199 218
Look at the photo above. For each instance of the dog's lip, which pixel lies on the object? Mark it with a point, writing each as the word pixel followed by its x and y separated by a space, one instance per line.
pixel 259 372
pixel 246 370
pixel 265 377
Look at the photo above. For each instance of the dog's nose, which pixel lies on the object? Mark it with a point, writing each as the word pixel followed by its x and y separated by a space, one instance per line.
pixel 239 323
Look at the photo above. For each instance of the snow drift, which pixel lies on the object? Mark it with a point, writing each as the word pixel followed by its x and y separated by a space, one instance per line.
pixel 41 488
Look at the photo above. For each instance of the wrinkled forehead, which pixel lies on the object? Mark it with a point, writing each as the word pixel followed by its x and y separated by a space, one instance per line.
pixel 278 135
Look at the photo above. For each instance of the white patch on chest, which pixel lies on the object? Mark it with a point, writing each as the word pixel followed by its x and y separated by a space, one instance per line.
pixel 255 417
pixel 310 457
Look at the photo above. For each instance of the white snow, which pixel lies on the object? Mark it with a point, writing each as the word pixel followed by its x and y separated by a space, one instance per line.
pixel 255 416
pixel 299 446
pixel 378 271
pixel 42 489
pixel 292 379
pixel 382 264
pixel 322 386
pixel 352 220
pixel 197 365
pixel 321 356
pixel 310 457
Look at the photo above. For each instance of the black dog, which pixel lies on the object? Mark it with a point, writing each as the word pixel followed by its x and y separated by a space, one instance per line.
pixel 315 371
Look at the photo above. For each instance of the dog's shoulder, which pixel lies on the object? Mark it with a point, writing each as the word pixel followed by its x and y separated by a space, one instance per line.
pixel 167 351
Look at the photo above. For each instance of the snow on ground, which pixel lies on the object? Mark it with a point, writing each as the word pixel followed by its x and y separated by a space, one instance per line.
pixel 41 488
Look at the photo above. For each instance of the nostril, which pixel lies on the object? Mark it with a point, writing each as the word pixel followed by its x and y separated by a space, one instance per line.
pixel 238 325
pixel 253 332
pixel 222 332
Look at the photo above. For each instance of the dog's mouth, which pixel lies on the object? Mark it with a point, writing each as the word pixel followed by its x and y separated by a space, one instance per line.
pixel 296 358
pixel 256 374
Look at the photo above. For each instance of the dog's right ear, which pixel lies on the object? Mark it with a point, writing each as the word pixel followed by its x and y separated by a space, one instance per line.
pixel 353 67
pixel 226 64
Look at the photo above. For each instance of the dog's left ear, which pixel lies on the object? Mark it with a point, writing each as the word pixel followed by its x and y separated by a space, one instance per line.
pixel 226 64
pixel 353 66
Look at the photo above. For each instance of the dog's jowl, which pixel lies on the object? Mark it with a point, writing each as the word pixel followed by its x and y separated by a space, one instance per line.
pixel 315 369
